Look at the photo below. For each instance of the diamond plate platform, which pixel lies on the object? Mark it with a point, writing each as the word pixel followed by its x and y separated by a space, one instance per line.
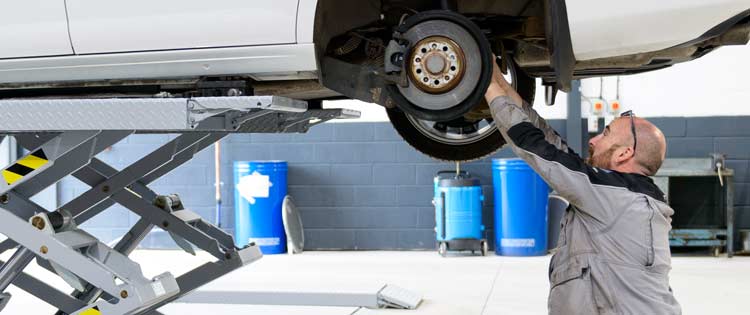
pixel 246 114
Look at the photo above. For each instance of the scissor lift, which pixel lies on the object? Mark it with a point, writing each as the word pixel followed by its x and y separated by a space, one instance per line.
pixel 64 136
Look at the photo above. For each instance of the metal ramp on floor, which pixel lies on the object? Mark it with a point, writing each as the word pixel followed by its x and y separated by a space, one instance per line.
pixel 64 136
pixel 387 296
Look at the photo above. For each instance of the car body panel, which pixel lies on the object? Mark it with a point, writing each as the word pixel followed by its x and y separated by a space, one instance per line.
pixel 306 21
pixel 107 26
pixel 602 29
pixel 32 28
pixel 293 61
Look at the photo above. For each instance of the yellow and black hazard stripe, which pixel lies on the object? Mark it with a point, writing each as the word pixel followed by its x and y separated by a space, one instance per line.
pixel 24 166
pixel 92 311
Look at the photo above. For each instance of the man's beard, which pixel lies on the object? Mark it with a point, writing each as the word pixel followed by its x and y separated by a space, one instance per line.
pixel 602 160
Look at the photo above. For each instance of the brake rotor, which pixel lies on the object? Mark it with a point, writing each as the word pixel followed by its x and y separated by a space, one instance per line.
pixel 439 70
pixel 437 64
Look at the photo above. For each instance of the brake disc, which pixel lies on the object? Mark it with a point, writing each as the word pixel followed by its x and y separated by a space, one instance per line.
pixel 444 65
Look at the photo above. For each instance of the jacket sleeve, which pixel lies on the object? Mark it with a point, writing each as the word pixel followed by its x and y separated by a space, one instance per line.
pixel 533 140
pixel 550 135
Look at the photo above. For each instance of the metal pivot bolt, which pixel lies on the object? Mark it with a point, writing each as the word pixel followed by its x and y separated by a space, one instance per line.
pixel 124 294
pixel 38 223
pixel 4 199
pixel 44 249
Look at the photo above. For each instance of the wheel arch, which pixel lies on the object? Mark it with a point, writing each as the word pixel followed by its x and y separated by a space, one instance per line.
pixel 336 17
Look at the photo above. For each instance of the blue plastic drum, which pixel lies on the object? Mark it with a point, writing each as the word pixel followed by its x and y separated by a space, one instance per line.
pixel 260 188
pixel 520 209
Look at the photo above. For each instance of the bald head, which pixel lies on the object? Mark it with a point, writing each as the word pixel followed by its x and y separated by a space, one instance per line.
pixel 652 146
pixel 616 149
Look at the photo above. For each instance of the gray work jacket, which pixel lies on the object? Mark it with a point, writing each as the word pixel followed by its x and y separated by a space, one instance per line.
pixel 613 252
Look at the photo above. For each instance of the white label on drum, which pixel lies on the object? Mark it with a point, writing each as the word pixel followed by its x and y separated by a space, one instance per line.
pixel 255 185
pixel 271 241
pixel 517 242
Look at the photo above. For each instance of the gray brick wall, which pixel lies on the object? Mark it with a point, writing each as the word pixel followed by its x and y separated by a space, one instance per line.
pixel 359 186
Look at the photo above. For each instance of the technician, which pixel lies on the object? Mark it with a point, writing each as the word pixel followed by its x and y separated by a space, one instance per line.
pixel 613 253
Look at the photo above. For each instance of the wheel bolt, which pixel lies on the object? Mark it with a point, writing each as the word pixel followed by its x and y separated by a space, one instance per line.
pixel 418 59
pixel 426 80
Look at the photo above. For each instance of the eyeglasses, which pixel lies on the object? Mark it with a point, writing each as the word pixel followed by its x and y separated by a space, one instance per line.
pixel 632 126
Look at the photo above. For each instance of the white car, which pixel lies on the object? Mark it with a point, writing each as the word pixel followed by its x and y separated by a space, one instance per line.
pixel 427 62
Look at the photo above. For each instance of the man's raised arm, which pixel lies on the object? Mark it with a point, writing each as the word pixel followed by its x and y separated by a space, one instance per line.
pixel 500 95
pixel 533 140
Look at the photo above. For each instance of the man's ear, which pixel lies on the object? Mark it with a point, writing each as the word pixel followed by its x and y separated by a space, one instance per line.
pixel 623 154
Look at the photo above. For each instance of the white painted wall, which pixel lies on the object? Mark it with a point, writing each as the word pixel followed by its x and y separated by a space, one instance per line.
pixel 715 85
pixel 370 112
pixel 7 151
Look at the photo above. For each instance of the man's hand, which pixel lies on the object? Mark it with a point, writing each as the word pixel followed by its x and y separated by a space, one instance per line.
pixel 500 87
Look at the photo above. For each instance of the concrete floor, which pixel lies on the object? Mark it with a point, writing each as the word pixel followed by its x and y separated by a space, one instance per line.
pixel 454 285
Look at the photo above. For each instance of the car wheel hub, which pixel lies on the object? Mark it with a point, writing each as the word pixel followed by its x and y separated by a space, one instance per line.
pixel 437 64
pixel 440 74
